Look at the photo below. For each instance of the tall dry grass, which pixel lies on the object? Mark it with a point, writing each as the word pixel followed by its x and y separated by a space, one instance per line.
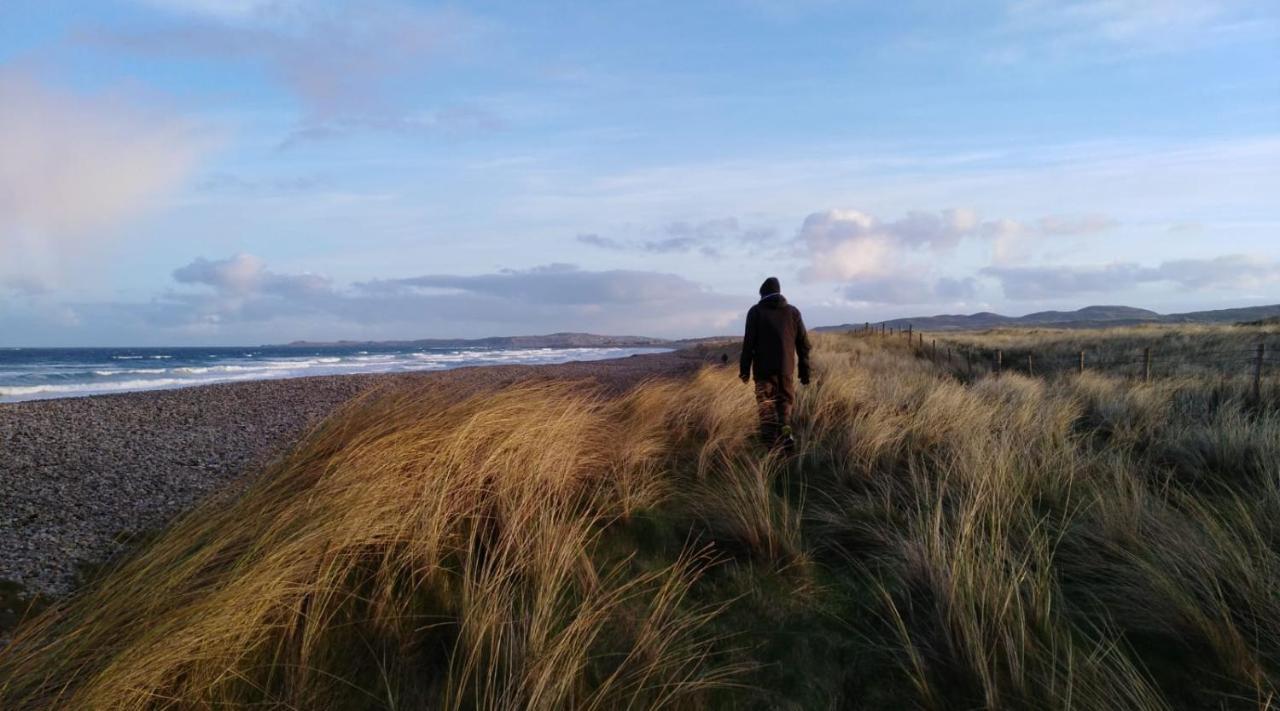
pixel 1086 542
pixel 1176 350
pixel 412 552
pixel 939 541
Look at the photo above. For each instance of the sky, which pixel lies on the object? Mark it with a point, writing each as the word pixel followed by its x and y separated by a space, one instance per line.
pixel 216 172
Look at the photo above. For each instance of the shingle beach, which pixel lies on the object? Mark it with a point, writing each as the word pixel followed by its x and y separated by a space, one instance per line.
pixel 79 476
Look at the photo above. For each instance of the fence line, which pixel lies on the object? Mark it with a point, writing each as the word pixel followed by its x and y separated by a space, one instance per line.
pixel 1256 359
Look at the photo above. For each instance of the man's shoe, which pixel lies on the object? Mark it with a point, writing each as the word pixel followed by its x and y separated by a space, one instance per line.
pixel 787 441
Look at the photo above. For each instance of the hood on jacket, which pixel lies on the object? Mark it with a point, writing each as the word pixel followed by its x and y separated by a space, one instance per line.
pixel 773 301
pixel 770 286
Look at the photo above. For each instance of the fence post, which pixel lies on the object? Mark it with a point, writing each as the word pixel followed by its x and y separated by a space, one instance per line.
pixel 999 361
pixel 1146 365
pixel 1029 369
pixel 1257 373
pixel 1082 362
pixel 910 330
pixel 933 346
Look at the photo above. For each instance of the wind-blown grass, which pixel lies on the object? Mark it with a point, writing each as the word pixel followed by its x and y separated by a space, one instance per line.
pixel 1176 351
pixel 938 542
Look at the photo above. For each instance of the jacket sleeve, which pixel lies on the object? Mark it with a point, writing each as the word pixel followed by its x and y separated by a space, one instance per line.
pixel 802 347
pixel 748 345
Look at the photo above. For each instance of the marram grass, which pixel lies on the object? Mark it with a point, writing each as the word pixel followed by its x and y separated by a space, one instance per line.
pixel 940 541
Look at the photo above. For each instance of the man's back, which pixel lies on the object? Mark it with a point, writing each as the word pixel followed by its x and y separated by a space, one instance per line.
pixel 775 340
pixel 774 345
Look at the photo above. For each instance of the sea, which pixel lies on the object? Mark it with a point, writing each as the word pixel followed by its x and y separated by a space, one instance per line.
pixel 41 373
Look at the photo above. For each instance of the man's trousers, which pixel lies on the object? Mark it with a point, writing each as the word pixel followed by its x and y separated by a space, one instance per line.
pixel 775 395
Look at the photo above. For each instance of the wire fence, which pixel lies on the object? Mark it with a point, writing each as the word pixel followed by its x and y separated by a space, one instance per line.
pixel 1146 362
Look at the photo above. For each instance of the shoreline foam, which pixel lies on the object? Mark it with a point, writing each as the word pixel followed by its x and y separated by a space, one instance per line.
pixel 114 373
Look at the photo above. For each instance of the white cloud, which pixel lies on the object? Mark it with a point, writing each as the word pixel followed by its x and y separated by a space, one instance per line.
pixel 596 240
pixel 1230 272
pixel 908 289
pixel 1076 224
pixel 241 274
pixel 1237 271
pixel 240 295
pixel 845 244
pixel 24 284
pixel 1043 283
pixel 849 244
pixel 554 284
pixel 73 168
pixel 940 230
pixel 245 275
pixel 339 59
pixel 709 237
pixel 1011 241
pixel 1015 242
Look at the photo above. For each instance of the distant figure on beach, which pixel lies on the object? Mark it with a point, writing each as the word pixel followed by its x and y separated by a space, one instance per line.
pixel 774 345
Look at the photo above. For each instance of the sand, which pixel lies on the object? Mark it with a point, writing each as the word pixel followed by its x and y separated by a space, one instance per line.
pixel 82 477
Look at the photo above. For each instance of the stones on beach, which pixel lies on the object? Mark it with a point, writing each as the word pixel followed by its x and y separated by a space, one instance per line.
pixel 81 478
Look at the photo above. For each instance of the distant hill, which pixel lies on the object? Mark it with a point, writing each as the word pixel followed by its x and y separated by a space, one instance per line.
pixel 551 340
pixel 1088 317
pixel 1256 313
pixel 1093 314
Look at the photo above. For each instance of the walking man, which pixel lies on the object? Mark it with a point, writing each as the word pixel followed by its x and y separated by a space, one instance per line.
pixel 774 345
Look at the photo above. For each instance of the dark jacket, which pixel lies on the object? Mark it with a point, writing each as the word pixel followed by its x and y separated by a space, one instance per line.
pixel 775 341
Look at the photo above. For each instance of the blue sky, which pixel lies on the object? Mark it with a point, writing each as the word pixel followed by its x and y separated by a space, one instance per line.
pixel 247 171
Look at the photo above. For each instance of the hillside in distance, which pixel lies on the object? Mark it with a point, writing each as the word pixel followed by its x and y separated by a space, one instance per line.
pixel 1088 317
pixel 551 340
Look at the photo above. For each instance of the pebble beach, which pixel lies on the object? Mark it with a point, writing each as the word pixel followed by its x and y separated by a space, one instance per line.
pixel 80 477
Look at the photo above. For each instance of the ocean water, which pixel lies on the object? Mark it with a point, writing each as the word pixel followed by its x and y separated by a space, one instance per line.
pixel 40 373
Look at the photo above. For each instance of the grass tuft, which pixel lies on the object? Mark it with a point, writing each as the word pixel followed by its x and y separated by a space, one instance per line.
pixel 942 539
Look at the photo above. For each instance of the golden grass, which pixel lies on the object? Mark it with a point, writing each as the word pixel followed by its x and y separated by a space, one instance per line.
pixel 939 541
pixel 1176 350
pixel 407 531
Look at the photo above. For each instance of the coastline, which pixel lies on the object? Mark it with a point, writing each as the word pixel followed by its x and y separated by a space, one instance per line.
pixel 81 477
pixel 55 373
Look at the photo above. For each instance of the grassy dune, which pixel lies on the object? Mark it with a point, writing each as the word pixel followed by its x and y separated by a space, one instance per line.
pixel 940 542
pixel 1176 351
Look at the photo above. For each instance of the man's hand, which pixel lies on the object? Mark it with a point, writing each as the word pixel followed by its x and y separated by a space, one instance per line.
pixel 804 381
pixel 745 378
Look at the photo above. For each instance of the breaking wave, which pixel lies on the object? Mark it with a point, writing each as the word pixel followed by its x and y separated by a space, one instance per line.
pixel 79 372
